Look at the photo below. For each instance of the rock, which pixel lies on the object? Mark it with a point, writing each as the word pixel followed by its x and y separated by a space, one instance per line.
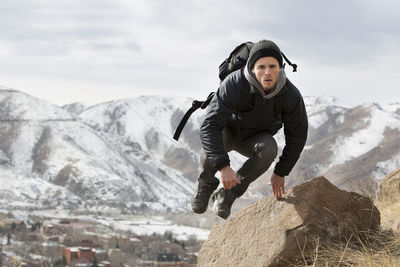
pixel 279 233
pixel 390 187
pixel 389 201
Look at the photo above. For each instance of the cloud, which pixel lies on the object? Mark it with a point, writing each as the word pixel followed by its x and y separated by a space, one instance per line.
pixel 176 46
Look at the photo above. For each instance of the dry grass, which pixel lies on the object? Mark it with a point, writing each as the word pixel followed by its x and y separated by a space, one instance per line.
pixel 374 249
pixel 390 213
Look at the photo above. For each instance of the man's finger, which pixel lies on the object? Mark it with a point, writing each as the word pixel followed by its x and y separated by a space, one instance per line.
pixel 237 181
pixel 282 190
pixel 278 193
pixel 274 191
pixel 232 184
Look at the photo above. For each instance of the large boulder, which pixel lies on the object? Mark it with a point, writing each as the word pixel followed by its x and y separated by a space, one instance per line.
pixel 390 187
pixel 389 201
pixel 279 233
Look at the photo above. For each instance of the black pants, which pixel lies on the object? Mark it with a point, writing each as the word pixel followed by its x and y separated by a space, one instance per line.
pixel 261 151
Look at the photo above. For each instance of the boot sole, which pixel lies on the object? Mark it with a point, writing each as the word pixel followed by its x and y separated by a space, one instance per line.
pixel 221 213
pixel 198 210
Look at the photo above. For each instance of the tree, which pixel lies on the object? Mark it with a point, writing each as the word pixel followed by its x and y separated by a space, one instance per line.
pixel 60 263
pixel 168 235
pixel 94 264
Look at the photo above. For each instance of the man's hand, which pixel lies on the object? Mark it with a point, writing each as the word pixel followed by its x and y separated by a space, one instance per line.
pixel 278 185
pixel 228 177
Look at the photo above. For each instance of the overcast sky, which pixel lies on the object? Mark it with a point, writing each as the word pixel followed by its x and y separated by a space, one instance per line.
pixel 98 50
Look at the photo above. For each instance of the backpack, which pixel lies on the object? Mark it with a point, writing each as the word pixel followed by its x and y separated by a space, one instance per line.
pixel 236 60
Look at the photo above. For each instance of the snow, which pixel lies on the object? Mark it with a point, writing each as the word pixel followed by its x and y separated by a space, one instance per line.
pixel 320 109
pixel 322 101
pixel 362 141
pixel 22 146
pixel 143 118
pixel 138 225
pixel 38 257
pixel 20 106
pixel 148 226
pixel 339 119
pixel 383 168
pixel 316 120
pixel 17 187
pixel 393 107
pixel 94 160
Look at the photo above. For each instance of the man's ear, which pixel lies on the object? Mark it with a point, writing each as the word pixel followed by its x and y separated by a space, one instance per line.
pixel 252 70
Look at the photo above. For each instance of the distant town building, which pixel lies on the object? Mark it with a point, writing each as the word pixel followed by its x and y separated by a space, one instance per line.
pixel 70 254
pixel 12 224
pixel 87 254
pixel 168 260
pixel 78 254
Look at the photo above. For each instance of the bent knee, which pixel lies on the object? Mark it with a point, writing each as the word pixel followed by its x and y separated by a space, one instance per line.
pixel 267 148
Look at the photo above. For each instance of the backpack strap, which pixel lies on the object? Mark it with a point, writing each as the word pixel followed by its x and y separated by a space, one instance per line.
pixel 195 106
pixel 294 66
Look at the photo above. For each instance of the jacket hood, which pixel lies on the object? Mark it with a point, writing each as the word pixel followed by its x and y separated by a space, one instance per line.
pixel 256 86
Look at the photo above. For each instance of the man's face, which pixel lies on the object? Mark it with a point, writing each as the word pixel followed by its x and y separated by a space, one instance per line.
pixel 267 70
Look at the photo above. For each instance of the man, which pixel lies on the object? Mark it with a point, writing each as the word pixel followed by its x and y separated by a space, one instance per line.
pixel 249 107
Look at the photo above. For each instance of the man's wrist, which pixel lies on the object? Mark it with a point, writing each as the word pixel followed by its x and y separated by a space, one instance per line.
pixel 226 167
pixel 279 172
pixel 275 174
pixel 221 164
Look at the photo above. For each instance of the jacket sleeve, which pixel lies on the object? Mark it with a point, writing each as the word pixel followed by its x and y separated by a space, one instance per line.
pixel 218 113
pixel 294 117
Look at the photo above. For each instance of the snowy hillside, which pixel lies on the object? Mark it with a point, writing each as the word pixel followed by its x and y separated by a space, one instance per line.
pixel 143 127
pixel 355 147
pixel 16 105
pixel 72 164
pixel 320 109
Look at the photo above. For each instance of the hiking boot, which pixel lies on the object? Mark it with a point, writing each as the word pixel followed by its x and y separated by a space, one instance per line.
pixel 223 200
pixel 201 197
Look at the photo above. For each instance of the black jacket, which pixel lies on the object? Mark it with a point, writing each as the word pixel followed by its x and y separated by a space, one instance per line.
pixel 247 113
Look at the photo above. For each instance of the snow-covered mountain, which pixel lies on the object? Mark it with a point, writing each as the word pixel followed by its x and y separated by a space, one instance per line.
pixel 121 154
pixel 50 156
pixel 354 146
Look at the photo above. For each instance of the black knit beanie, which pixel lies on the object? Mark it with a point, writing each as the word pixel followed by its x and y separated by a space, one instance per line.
pixel 264 48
